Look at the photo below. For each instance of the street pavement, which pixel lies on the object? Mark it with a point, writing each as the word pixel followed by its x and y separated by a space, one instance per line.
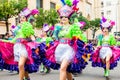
pixel 89 73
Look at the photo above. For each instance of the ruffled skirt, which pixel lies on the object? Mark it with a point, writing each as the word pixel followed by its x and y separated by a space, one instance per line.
pixel 64 51
pixel 104 52
pixel 7 59
pixel 74 51
pixel 97 62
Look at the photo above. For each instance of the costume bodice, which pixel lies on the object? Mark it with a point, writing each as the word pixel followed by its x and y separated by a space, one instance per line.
pixel 109 40
pixel 106 40
pixel 25 30
pixel 64 32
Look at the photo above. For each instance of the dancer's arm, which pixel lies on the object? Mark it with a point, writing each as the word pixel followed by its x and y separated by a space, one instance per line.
pixel 56 32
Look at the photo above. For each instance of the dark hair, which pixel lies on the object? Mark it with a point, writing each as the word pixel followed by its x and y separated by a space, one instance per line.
pixel 65 17
pixel 109 29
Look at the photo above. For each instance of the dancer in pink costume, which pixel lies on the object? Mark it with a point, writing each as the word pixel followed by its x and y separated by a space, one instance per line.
pixel 106 54
pixel 19 54
pixel 65 53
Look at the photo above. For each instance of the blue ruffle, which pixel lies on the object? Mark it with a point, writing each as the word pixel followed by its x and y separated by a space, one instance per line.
pixel 74 66
pixel 1 61
pixel 89 48
pixel 28 67
pixel 96 64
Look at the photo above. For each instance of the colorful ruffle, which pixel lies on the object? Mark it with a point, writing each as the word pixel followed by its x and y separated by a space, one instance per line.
pixel 48 55
pixel 7 58
pixel 97 62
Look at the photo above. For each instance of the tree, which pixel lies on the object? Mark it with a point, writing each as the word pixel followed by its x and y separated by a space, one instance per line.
pixel 46 16
pixel 10 8
pixel 94 25
pixel 52 17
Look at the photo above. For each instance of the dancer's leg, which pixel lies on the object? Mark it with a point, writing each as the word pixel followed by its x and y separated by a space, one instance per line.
pixel 21 67
pixel 108 62
pixel 63 72
pixel 69 76
pixel 27 75
pixel 107 65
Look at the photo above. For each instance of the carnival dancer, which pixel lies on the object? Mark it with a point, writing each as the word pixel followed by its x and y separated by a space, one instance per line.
pixel 45 37
pixel 24 59
pixel 106 55
pixel 67 49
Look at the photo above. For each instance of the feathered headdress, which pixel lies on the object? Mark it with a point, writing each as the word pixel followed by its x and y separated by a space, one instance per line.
pixel 45 27
pixel 65 11
pixel 25 12
pixel 68 8
pixel 106 23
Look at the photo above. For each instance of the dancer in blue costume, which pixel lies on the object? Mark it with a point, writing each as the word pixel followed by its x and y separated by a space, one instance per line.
pixel 24 58
pixel 68 48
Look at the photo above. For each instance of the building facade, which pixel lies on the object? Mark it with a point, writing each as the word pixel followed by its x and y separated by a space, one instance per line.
pixel 89 9
pixel 111 10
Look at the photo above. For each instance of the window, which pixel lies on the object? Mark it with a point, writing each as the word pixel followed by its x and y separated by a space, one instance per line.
pixel 102 4
pixel 88 8
pixel 52 5
pixel 109 12
pixel 108 4
pixel 39 4
pixel 102 13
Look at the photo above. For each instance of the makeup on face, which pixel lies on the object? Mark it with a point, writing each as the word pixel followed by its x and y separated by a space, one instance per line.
pixel 105 31
pixel 64 19
pixel 22 18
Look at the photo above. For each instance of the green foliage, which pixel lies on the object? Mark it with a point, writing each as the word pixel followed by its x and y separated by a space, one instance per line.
pixel 20 5
pixel 46 16
pixel 95 25
pixel 6 10
pixel 40 19
pixel 10 8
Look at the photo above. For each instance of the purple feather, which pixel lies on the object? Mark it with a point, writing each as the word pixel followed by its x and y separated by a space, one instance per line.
pixel 104 19
pixel 25 9
pixel 45 25
pixel 13 26
pixel 75 2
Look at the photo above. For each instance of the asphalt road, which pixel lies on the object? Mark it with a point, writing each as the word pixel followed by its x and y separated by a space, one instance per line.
pixel 89 73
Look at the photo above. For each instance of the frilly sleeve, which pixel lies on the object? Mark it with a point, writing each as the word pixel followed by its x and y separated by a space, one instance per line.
pixel 56 32
pixel 27 29
pixel 75 31
pixel 112 40
pixel 118 43
pixel 84 38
